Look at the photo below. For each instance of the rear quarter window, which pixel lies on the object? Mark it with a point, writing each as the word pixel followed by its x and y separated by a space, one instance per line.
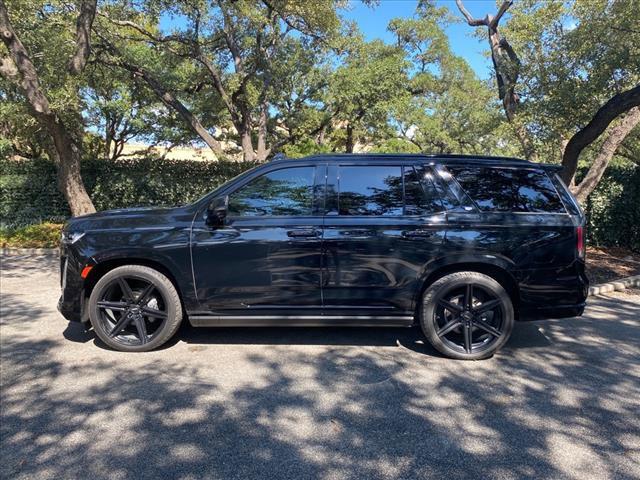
pixel 496 189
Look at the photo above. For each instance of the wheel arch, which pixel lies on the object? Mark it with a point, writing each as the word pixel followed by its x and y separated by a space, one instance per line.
pixel 499 273
pixel 105 266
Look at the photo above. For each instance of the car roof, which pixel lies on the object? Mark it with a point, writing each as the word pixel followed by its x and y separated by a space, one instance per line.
pixel 445 159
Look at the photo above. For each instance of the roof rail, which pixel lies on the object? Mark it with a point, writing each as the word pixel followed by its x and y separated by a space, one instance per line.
pixel 475 159
pixel 418 155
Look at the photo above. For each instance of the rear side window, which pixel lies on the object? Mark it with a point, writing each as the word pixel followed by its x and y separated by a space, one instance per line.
pixel 380 190
pixel 569 201
pixel 509 190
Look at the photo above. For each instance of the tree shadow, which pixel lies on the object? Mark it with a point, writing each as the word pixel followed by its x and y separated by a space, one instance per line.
pixel 326 403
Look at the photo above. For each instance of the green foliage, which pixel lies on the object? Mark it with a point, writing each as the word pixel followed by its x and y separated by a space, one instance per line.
pixel 43 235
pixel 613 209
pixel 575 56
pixel 29 194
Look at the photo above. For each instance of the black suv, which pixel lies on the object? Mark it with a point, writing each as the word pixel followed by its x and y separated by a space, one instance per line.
pixel 462 245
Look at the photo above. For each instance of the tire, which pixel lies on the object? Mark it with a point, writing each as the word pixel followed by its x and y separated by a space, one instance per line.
pixel 134 308
pixel 467 315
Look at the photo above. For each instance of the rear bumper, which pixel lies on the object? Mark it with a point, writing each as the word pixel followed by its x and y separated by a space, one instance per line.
pixel 553 293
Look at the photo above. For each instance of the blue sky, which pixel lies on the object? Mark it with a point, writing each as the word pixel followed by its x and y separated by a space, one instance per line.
pixel 373 23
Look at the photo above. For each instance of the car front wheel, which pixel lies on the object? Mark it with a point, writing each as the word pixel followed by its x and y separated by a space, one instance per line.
pixel 467 315
pixel 134 308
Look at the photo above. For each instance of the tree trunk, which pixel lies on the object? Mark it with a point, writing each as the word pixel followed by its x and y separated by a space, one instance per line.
pixel 69 177
pixel 67 147
pixel 244 130
pixel 248 155
pixel 262 152
pixel 349 143
pixel 615 106
pixel 614 138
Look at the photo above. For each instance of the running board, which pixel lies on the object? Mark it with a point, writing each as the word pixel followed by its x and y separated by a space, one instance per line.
pixel 299 321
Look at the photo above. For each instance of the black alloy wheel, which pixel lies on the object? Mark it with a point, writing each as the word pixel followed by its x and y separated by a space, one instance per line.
pixel 135 308
pixel 467 315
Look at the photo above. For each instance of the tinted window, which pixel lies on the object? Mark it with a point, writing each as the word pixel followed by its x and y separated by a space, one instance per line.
pixel 380 190
pixel 420 193
pixel 508 190
pixel 371 190
pixel 569 202
pixel 288 191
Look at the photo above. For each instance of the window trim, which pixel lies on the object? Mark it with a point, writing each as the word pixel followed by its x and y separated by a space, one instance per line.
pixel 316 211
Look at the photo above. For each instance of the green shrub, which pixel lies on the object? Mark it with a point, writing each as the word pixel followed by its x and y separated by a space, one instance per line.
pixel 613 209
pixel 44 235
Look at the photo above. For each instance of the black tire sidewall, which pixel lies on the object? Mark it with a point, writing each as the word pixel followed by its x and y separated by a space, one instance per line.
pixel 161 282
pixel 455 280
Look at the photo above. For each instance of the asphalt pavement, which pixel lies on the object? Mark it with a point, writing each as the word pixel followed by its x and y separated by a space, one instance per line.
pixel 561 400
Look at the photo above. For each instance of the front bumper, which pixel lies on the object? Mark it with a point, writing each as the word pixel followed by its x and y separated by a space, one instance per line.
pixel 72 302
pixel 72 310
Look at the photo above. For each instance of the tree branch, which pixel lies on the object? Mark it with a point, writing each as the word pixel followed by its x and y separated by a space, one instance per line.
pixel 614 138
pixel 30 83
pixel 168 98
pixel 503 8
pixel 615 106
pixel 83 36
pixel 474 22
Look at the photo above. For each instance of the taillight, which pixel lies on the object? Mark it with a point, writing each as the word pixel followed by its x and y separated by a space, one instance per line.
pixel 580 247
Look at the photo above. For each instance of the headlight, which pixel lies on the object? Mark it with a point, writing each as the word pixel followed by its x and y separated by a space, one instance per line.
pixel 71 237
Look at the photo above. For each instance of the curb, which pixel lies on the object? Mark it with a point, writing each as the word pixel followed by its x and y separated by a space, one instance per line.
pixel 30 251
pixel 616 285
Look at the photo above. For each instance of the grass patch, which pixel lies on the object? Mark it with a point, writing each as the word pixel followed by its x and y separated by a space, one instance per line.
pixel 43 235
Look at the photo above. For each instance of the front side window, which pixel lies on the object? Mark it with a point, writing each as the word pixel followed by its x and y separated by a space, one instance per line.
pixel 284 192
pixel 380 190
pixel 508 190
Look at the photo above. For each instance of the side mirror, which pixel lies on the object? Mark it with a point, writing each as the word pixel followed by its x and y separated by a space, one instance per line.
pixel 217 211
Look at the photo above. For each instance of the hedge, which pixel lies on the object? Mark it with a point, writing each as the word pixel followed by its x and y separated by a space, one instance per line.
pixel 613 209
pixel 29 193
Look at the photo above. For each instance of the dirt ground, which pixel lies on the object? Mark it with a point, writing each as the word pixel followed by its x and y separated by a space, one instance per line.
pixel 606 264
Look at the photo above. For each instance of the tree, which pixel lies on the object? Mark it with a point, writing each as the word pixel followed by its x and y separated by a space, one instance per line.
pixel 580 78
pixel 506 65
pixel 232 45
pixel 363 91
pixel 17 66
pixel 450 109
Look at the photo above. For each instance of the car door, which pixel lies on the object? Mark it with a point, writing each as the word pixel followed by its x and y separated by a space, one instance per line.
pixel 265 258
pixel 384 223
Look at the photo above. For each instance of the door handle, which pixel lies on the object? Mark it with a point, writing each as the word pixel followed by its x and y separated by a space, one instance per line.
pixel 303 233
pixel 418 233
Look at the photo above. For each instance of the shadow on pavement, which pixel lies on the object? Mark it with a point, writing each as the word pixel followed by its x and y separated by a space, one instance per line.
pixel 568 409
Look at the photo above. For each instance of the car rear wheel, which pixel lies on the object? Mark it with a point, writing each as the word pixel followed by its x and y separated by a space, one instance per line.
pixel 467 315
pixel 134 308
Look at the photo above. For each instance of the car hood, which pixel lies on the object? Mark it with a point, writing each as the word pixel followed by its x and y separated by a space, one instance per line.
pixel 139 217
